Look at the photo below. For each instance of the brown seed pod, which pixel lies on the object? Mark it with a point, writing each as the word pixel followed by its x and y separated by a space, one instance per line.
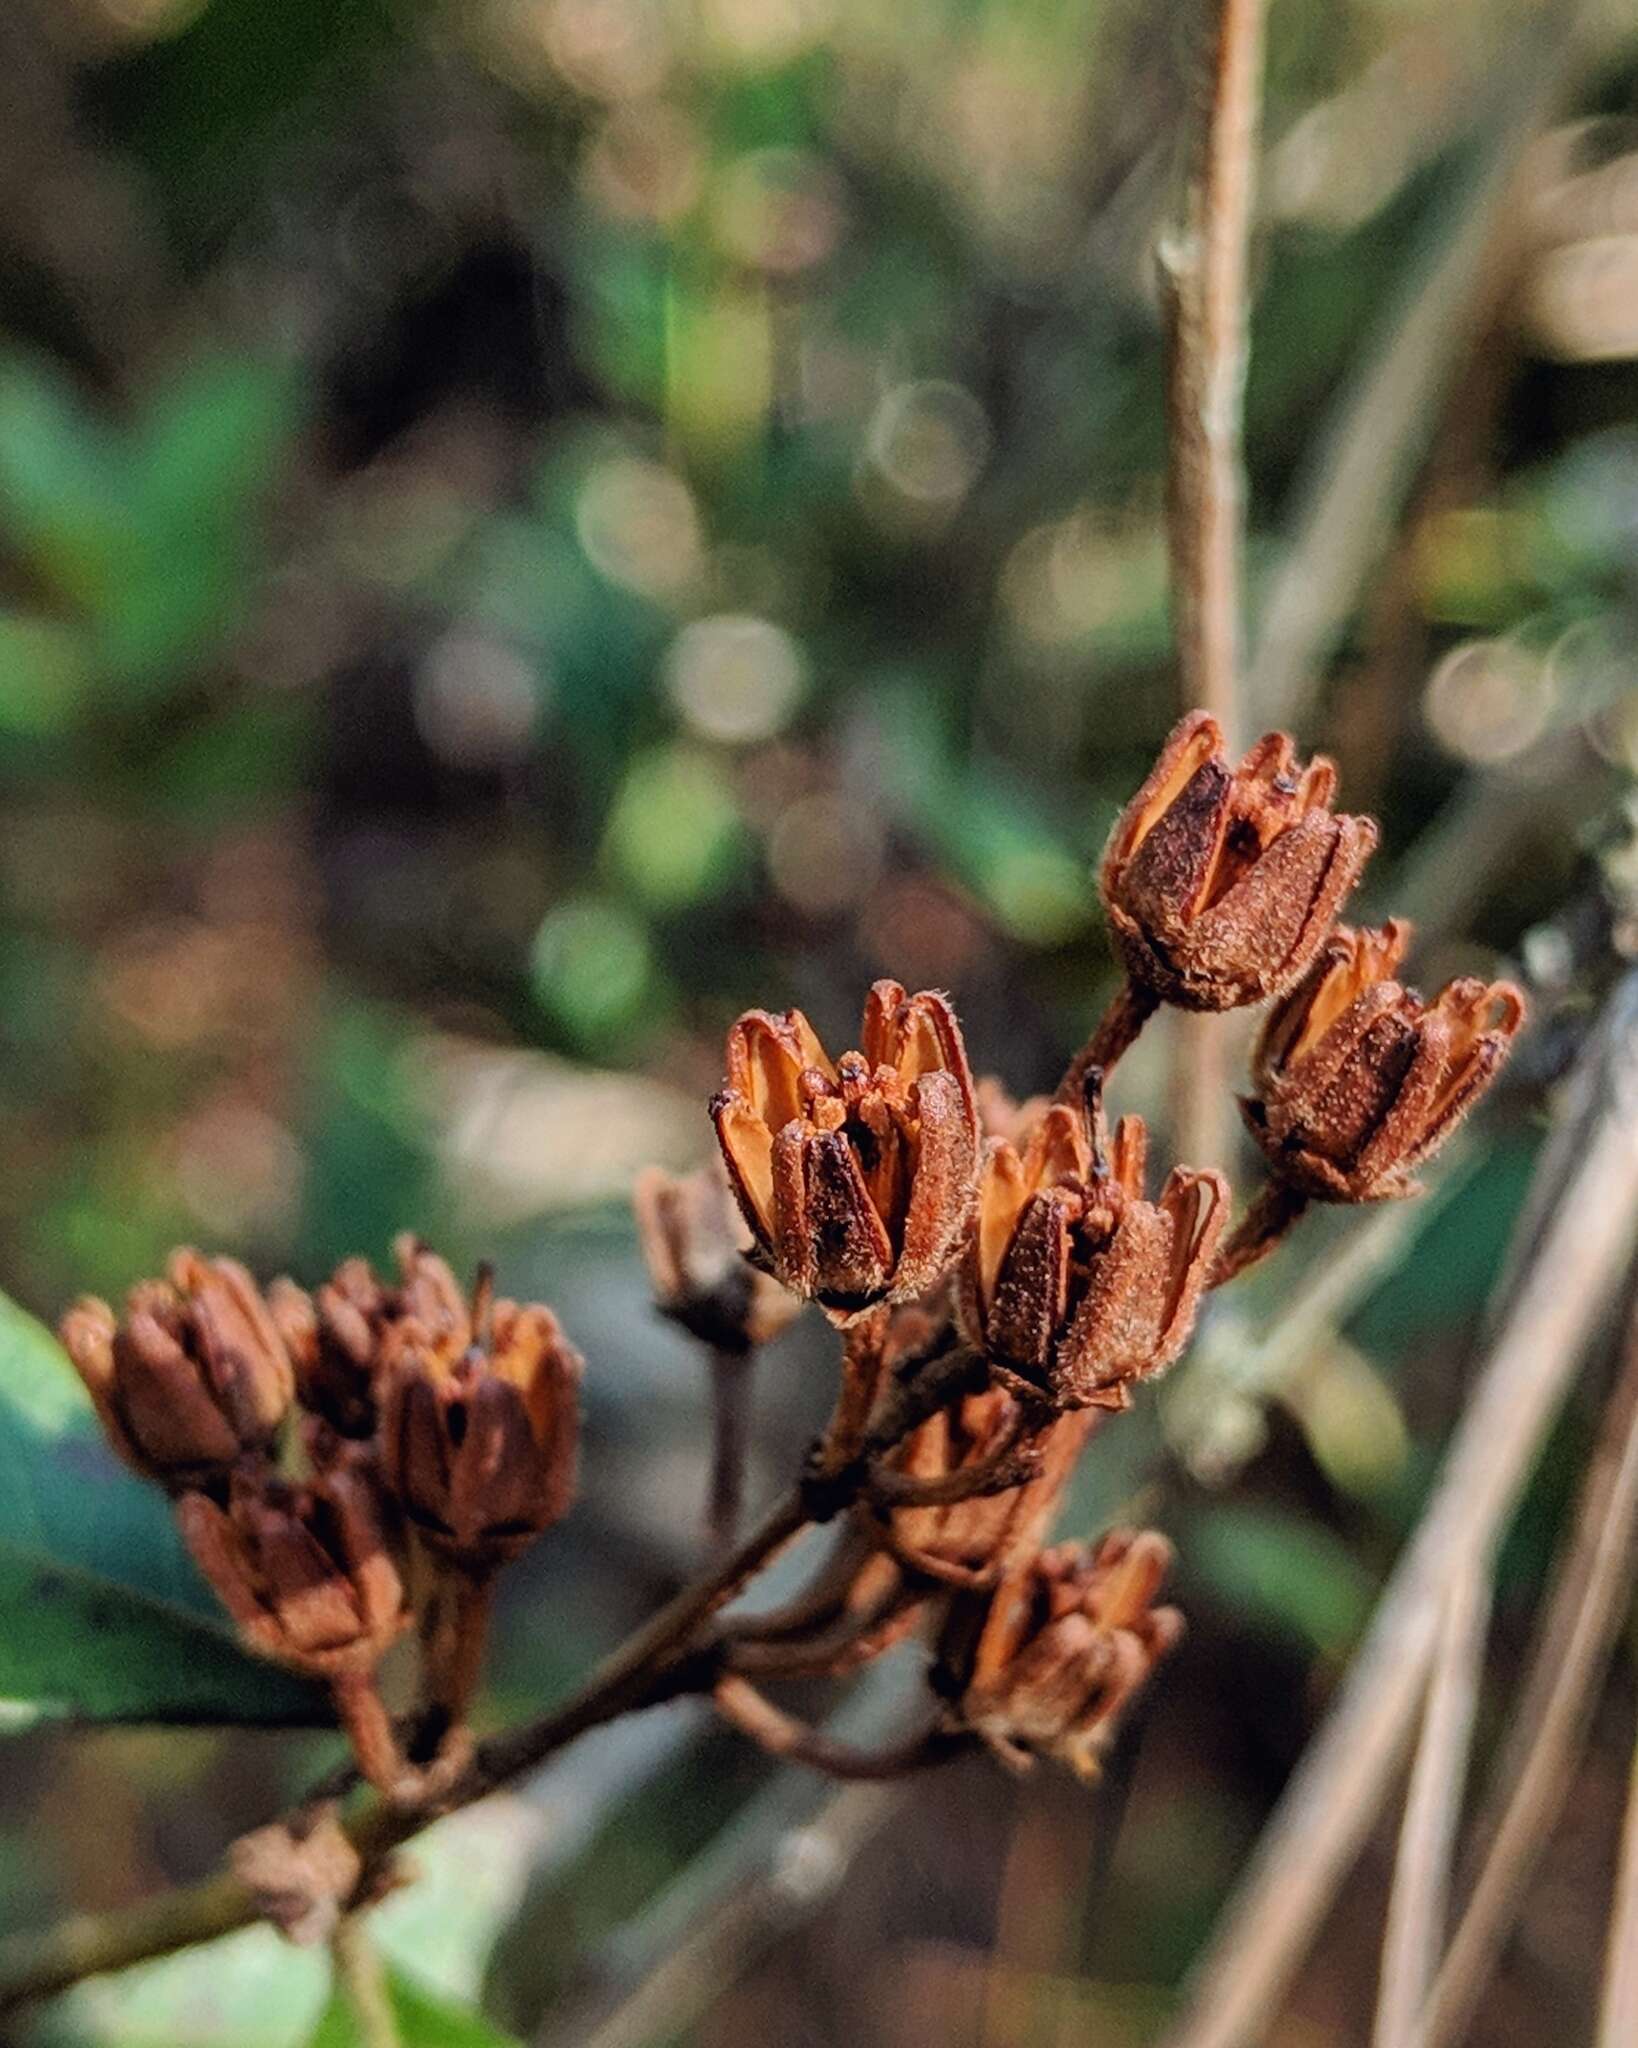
pixel 694 1241
pixel 191 1378
pixel 1075 1285
pixel 855 1177
pixel 1358 1080
pixel 1221 882
pixel 1047 1662
pixel 340 1336
pixel 305 1571
pixel 480 1450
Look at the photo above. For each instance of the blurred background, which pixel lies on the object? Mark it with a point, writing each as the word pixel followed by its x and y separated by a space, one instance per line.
pixel 527 526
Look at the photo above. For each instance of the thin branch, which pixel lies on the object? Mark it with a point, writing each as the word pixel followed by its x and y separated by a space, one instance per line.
pixel 1273 1212
pixel 1419 1902
pixel 1588 1184
pixel 645 1669
pixel 1203 271
pixel 731 1380
pixel 1618 2011
pixel 1114 1034
pixel 1550 1722
pixel 745 1707
pixel 361 1976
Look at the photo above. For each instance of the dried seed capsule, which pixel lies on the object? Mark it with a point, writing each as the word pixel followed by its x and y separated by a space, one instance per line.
pixel 192 1376
pixel 963 1539
pixel 305 1571
pixel 1222 882
pixel 339 1337
pixel 856 1178
pixel 480 1450
pixel 693 1241
pixel 1075 1285
pixel 1358 1080
pixel 1047 1663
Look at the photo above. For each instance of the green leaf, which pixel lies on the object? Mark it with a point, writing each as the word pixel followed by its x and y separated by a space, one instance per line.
pixel 1298 1579
pixel 424 2021
pixel 102 1614
pixel 62 484
pixel 249 1990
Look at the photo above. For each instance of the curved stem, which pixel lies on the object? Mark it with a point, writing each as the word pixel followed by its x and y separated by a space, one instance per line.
pixel 369 1727
pixel 853 1640
pixel 649 1666
pixel 782 1735
pixel 730 1439
pixel 1273 1212
pixel 1115 1032
pixel 1007 1465
pixel 909 1403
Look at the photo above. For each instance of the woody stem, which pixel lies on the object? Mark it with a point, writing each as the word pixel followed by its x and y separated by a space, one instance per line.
pixel 730 1437
pixel 1273 1212
pixel 455 1656
pixel 361 1975
pixel 1006 1464
pixel 1115 1032
pixel 651 1665
pixel 368 1725
pixel 863 1343
pixel 936 1380
pixel 828 1653
pixel 782 1735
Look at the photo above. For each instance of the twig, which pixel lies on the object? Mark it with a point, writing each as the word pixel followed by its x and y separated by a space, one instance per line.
pixel 1551 1718
pixel 1419 1902
pixel 646 1668
pixel 1203 270
pixel 748 1709
pixel 1618 2011
pixel 362 1978
pixel 1203 273
pixel 1571 1269
pixel 1115 1033
pixel 1274 1210
pixel 731 1377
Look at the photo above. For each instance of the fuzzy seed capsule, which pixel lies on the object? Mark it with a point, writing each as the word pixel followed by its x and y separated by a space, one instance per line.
pixel 1076 1285
pixel 856 1178
pixel 1047 1663
pixel 1358 1080
pixel 1221 882
pixel 191 1378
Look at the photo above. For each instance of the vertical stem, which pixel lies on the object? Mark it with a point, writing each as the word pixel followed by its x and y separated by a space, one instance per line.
pixel 1130 1008
pixel 1618 2012
pixel 1419 1903
pixel 863 1343
pixel 730 1440
pixel 1537 1764
pixel 361 1977
pixel 455 1657
pixel 361 1712
pixel 1203 276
